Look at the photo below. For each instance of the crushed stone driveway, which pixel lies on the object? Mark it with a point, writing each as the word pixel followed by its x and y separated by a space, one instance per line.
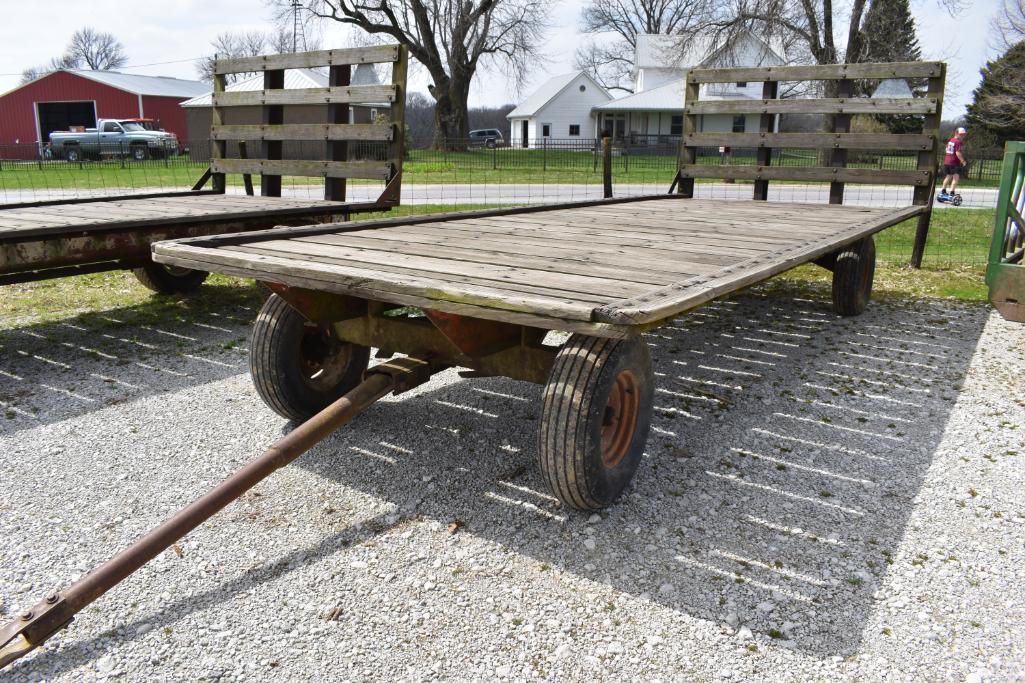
pixel 821 499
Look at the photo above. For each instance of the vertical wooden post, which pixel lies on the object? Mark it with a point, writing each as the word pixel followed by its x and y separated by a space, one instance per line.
pixel 247 178
pixel 927 161
pixel 606 167
pixel 218 148
pixel 339 75
pixel 841 124
pixel 399 69
pixel 688 154
pixel 766 124
pixel 273 115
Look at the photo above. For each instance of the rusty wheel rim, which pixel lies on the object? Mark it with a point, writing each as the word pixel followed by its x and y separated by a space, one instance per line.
pixel 620 419
pixel 322 358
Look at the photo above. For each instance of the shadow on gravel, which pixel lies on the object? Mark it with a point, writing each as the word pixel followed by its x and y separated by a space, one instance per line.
pixel 58 370
pixel 783 463
pixel 786 451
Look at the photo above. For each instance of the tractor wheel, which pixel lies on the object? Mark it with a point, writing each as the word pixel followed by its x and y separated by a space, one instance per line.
pixel 169 279
pixel 852 277
pixel 300 368
pixel 595 417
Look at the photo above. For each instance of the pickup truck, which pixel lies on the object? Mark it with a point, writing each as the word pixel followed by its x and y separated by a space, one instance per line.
pixel 113 138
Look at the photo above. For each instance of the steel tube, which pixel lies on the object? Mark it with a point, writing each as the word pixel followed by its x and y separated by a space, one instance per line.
pixel 284 451
pixel 34 626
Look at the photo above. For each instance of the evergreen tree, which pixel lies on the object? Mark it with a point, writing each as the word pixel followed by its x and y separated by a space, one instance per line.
pixel 888 34
pixel 998 105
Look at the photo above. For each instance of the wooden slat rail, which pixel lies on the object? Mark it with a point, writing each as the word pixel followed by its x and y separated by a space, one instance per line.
pixel 355 94
pixel 874 141
pixel 335 163
pixel 807 173
pixel 371 170
pixel 306 60
pixel 306 131
pixel 824 72
pixel 841 105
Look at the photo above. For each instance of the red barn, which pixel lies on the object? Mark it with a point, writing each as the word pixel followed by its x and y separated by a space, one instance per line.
pixel 75 97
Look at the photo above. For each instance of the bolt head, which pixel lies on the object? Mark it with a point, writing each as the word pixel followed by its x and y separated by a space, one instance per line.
pixel 52 598
pixel 26 615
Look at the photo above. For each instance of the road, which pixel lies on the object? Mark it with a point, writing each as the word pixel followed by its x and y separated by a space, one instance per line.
pixel 539 193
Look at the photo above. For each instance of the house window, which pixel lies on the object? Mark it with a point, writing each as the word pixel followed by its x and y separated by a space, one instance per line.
pixel 373 115
pixel 739 124
pixel 741 84
pixel 546 130
pixel 583 88
pixel 676 125
pixel 574 129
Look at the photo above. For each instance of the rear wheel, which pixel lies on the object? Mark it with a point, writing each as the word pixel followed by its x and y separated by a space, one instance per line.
pixel 853 273
pixel 595 418
pixel 169 279
pixel 300 368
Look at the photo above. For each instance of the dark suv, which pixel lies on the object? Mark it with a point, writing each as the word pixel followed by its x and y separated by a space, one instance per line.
pixel 489 137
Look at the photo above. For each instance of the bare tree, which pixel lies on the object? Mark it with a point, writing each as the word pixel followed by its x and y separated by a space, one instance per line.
pixel 88 48
pixel 610 62
pixel 233 44
pixel 97 50
pixel 1009 24
pixel 452 39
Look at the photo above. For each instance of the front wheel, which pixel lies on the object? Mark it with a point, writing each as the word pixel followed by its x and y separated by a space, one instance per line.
pixel 169 279
pixel 140 152
pixel 595 417
pixel 299 368
pixel 73 155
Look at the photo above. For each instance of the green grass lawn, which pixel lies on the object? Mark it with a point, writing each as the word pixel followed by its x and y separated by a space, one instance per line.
pixel 484 166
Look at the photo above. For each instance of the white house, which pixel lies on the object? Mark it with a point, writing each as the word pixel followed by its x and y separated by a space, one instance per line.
pixel 661 63
pixel 561 108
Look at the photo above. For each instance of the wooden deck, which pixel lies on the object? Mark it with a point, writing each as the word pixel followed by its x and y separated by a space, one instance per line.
pixel 58 219
pixel 596 267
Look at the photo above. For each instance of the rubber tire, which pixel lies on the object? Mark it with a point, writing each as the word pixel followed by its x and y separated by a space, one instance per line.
pixel 276 369
pixel 139 152
pixel 157 277
pixel 853 273
pixel 574 403
pixel 72 155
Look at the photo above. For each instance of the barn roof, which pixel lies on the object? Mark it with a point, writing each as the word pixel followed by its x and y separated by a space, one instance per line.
pixel 155 86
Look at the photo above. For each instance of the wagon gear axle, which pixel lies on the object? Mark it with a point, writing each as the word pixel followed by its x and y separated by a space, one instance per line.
pixel 34 626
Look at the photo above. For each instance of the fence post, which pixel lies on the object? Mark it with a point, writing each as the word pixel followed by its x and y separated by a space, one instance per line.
pixel 594 154
pixel 626 154
pixel 121 151
pixel 606 166
pixel 494 156
pixel 544 154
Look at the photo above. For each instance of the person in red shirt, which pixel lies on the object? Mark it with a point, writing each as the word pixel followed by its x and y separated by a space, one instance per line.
pixel 953 163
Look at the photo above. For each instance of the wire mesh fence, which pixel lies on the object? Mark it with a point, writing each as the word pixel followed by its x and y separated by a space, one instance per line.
pixel 477 174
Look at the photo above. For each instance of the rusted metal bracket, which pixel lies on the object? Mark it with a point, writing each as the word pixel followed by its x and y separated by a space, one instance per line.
pixel 33 627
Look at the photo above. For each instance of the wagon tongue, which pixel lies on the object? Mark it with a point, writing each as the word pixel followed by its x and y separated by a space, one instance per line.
pixel 34 626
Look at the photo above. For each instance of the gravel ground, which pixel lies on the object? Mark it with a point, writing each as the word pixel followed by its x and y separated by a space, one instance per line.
pixel 822 499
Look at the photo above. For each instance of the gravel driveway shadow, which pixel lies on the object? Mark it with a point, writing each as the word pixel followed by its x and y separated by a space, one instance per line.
pixel 783 463
pixel 58 370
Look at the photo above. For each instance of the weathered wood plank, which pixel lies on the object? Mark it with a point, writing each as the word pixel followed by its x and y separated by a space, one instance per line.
pixel 823 105
pixel 873 141
pixel 305 131
pixel 350 94
pixel 824 72
pixel 669 301
pixel 371 170
pixel 809 173
pixel 308 60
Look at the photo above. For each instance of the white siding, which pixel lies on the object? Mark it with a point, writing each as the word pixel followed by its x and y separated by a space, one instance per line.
pixel 570 107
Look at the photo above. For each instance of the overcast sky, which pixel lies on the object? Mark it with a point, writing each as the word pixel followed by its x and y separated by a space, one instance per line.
pixel 179 31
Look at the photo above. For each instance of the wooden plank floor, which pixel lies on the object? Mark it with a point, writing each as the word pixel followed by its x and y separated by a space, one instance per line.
pixel 124 212
pixel 612 263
